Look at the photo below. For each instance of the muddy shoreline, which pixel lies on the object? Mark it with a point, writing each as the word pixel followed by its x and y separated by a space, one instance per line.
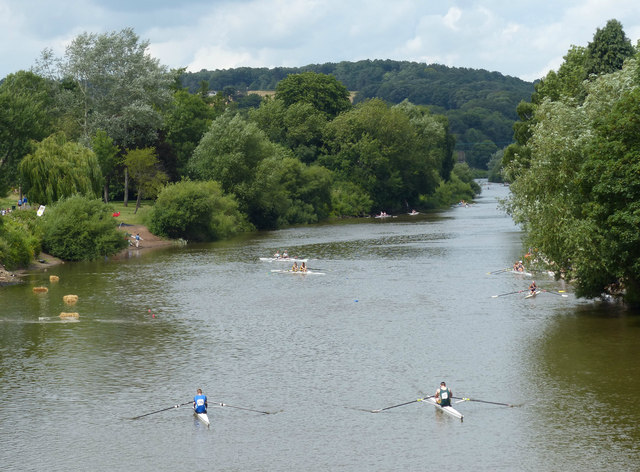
pixel 44 261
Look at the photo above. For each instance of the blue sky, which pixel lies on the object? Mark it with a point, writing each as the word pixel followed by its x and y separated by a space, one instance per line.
pixel 523 38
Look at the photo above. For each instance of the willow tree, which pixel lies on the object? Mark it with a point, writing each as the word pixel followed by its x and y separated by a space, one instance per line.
pixel 59 168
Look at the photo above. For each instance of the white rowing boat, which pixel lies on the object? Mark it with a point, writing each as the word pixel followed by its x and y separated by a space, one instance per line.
pixel 282 259
pixel 532 294
pixel 521 272
pixel 202 417
pixel 299 272
pixel 447 409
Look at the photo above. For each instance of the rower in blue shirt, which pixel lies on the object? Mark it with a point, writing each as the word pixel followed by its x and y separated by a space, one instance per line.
pixel 200 402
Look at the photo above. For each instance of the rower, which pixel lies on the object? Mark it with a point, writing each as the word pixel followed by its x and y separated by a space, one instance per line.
pixel 285 254
pixel 303 267
pixel 533 287
pixel 294 268
pixel 277 254
pixel 200 402
pixel 443 395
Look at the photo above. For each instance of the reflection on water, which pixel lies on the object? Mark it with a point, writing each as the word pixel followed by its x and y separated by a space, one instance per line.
pixel 404 304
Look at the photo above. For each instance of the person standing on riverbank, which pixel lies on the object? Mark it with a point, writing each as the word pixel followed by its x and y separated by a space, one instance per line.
pixel 443 395
pixel 200 402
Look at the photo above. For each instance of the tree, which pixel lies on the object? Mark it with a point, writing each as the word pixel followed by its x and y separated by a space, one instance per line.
pixel 609 49
pixel 25 116
pixel 578 196
pixel 119 87
pixel 197 211
pixel 107 154
pixel 323 92
pixel 186 120
pixel 143 168
pixel 80 228
pixel 59 168
pixel 382 151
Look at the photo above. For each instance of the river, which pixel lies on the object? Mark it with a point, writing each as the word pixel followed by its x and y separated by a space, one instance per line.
pixel 403 304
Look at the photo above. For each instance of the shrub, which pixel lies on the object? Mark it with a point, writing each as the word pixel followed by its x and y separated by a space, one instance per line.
pixel 80 228
pixel 19 242
pixel 349 199
pixel 197 211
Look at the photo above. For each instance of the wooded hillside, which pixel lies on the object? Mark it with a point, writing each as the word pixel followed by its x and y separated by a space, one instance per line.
pixel 480 105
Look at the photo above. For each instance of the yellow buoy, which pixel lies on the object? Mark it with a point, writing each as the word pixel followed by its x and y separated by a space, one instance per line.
pixel 54 278
pixel 40 289
pixel 69 315
pixel 70 299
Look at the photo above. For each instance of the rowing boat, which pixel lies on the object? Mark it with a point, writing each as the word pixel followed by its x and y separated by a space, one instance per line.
pixel 202 417
pixel 521 272
pixel 282 259
pixel 447 409
pixel 532 294
pixel 300 272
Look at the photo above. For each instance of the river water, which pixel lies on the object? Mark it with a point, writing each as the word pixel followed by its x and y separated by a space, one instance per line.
pixel 404 303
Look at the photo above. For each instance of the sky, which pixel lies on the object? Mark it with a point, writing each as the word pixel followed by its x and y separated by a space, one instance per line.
pixel 519 38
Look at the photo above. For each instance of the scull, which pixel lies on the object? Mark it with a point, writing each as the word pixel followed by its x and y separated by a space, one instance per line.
pixel 202 417
pixel 447 409
pixel 532 294
pixel 300 272
pixel 282 259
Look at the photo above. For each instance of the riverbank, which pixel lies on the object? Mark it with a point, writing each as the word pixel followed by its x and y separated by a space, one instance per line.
pixel 148 241
pixel 44 261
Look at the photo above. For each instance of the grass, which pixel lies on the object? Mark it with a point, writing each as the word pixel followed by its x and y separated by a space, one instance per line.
pixel 126 212
pixel 9 200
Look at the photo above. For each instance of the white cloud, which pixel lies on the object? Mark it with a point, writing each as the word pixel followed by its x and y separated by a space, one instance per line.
pixel 522 38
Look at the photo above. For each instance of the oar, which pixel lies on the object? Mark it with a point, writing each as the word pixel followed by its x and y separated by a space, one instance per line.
pixel 556 293
pixel 241 408
pixel 164 409
pixel 483 401
pixel 498 271
pixel 401 404
pixel 503 294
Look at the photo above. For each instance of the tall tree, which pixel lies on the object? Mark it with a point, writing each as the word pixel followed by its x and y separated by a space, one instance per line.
pixel 609 49
pixel 121 89
pixel 142 165
pixel 25 116
pixel 322 91
pixel 107 153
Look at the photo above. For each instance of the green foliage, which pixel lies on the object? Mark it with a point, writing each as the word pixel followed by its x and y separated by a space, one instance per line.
pixel 107 154
pixel 145 172
pixel 385 152
pixel 59 168
pixel 298 126
pixel 578 197
pixel 19 239
pixel 80 228
pixel 25 115
pixel 197 211
pixel 468 98
pixel 347 199
pixel 116 86
pixel 321 91
pixel 609 49
pixel 495 167
pixel 186 121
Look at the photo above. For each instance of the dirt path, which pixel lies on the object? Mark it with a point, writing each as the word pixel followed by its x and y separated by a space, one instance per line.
pixel 148 240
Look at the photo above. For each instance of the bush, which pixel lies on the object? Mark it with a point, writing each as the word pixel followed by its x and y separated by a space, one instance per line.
pixel 197 211
pixel 19 241
pixel 349 199
pixel 80 228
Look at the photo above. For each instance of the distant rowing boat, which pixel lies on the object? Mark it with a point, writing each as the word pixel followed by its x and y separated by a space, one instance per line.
pixel 298 272
pixel 522 272
pixel 282 259
pixel 447 409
